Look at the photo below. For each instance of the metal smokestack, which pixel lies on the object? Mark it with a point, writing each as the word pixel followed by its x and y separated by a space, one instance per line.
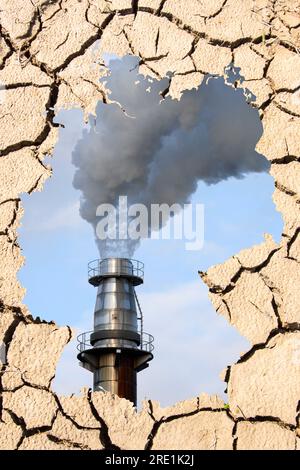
pixel 118 347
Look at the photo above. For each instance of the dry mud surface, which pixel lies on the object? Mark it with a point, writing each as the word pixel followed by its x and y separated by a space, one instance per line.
pixel 49 51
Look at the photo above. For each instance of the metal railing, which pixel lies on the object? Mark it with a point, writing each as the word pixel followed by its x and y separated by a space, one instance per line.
pixel 84 342
pixel 99 267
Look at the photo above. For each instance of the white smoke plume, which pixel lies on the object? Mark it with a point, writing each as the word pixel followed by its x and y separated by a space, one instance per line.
pixel 160 154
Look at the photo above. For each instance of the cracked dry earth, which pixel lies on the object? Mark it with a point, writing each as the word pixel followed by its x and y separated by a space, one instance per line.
pixel 50 57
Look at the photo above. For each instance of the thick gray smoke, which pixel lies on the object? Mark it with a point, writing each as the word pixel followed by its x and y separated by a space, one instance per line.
pixel 160 155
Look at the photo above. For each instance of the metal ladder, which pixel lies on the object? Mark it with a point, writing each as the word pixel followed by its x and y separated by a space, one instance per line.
pixel 140 318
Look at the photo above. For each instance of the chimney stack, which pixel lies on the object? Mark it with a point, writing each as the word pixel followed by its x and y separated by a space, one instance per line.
pixel 118 347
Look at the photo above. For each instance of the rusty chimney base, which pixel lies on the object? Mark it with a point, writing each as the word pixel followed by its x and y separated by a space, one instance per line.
pixel 116 373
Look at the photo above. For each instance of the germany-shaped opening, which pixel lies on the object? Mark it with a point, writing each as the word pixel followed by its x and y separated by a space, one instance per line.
pixel 152 149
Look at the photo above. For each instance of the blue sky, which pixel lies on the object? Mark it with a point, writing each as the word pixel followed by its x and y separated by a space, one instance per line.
pixel 192 343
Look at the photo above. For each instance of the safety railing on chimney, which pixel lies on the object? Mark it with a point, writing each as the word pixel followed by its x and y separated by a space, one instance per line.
pixel 102 267
pixel 84 342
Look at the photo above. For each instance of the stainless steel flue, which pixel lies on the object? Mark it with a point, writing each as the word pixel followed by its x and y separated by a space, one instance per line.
pixel 118 347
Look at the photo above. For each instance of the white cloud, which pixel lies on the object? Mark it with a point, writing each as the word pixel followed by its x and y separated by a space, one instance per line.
pixel 192 344
pixel 66 217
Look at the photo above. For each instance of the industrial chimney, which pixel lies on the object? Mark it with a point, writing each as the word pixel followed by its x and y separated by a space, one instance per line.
pixel 118 347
